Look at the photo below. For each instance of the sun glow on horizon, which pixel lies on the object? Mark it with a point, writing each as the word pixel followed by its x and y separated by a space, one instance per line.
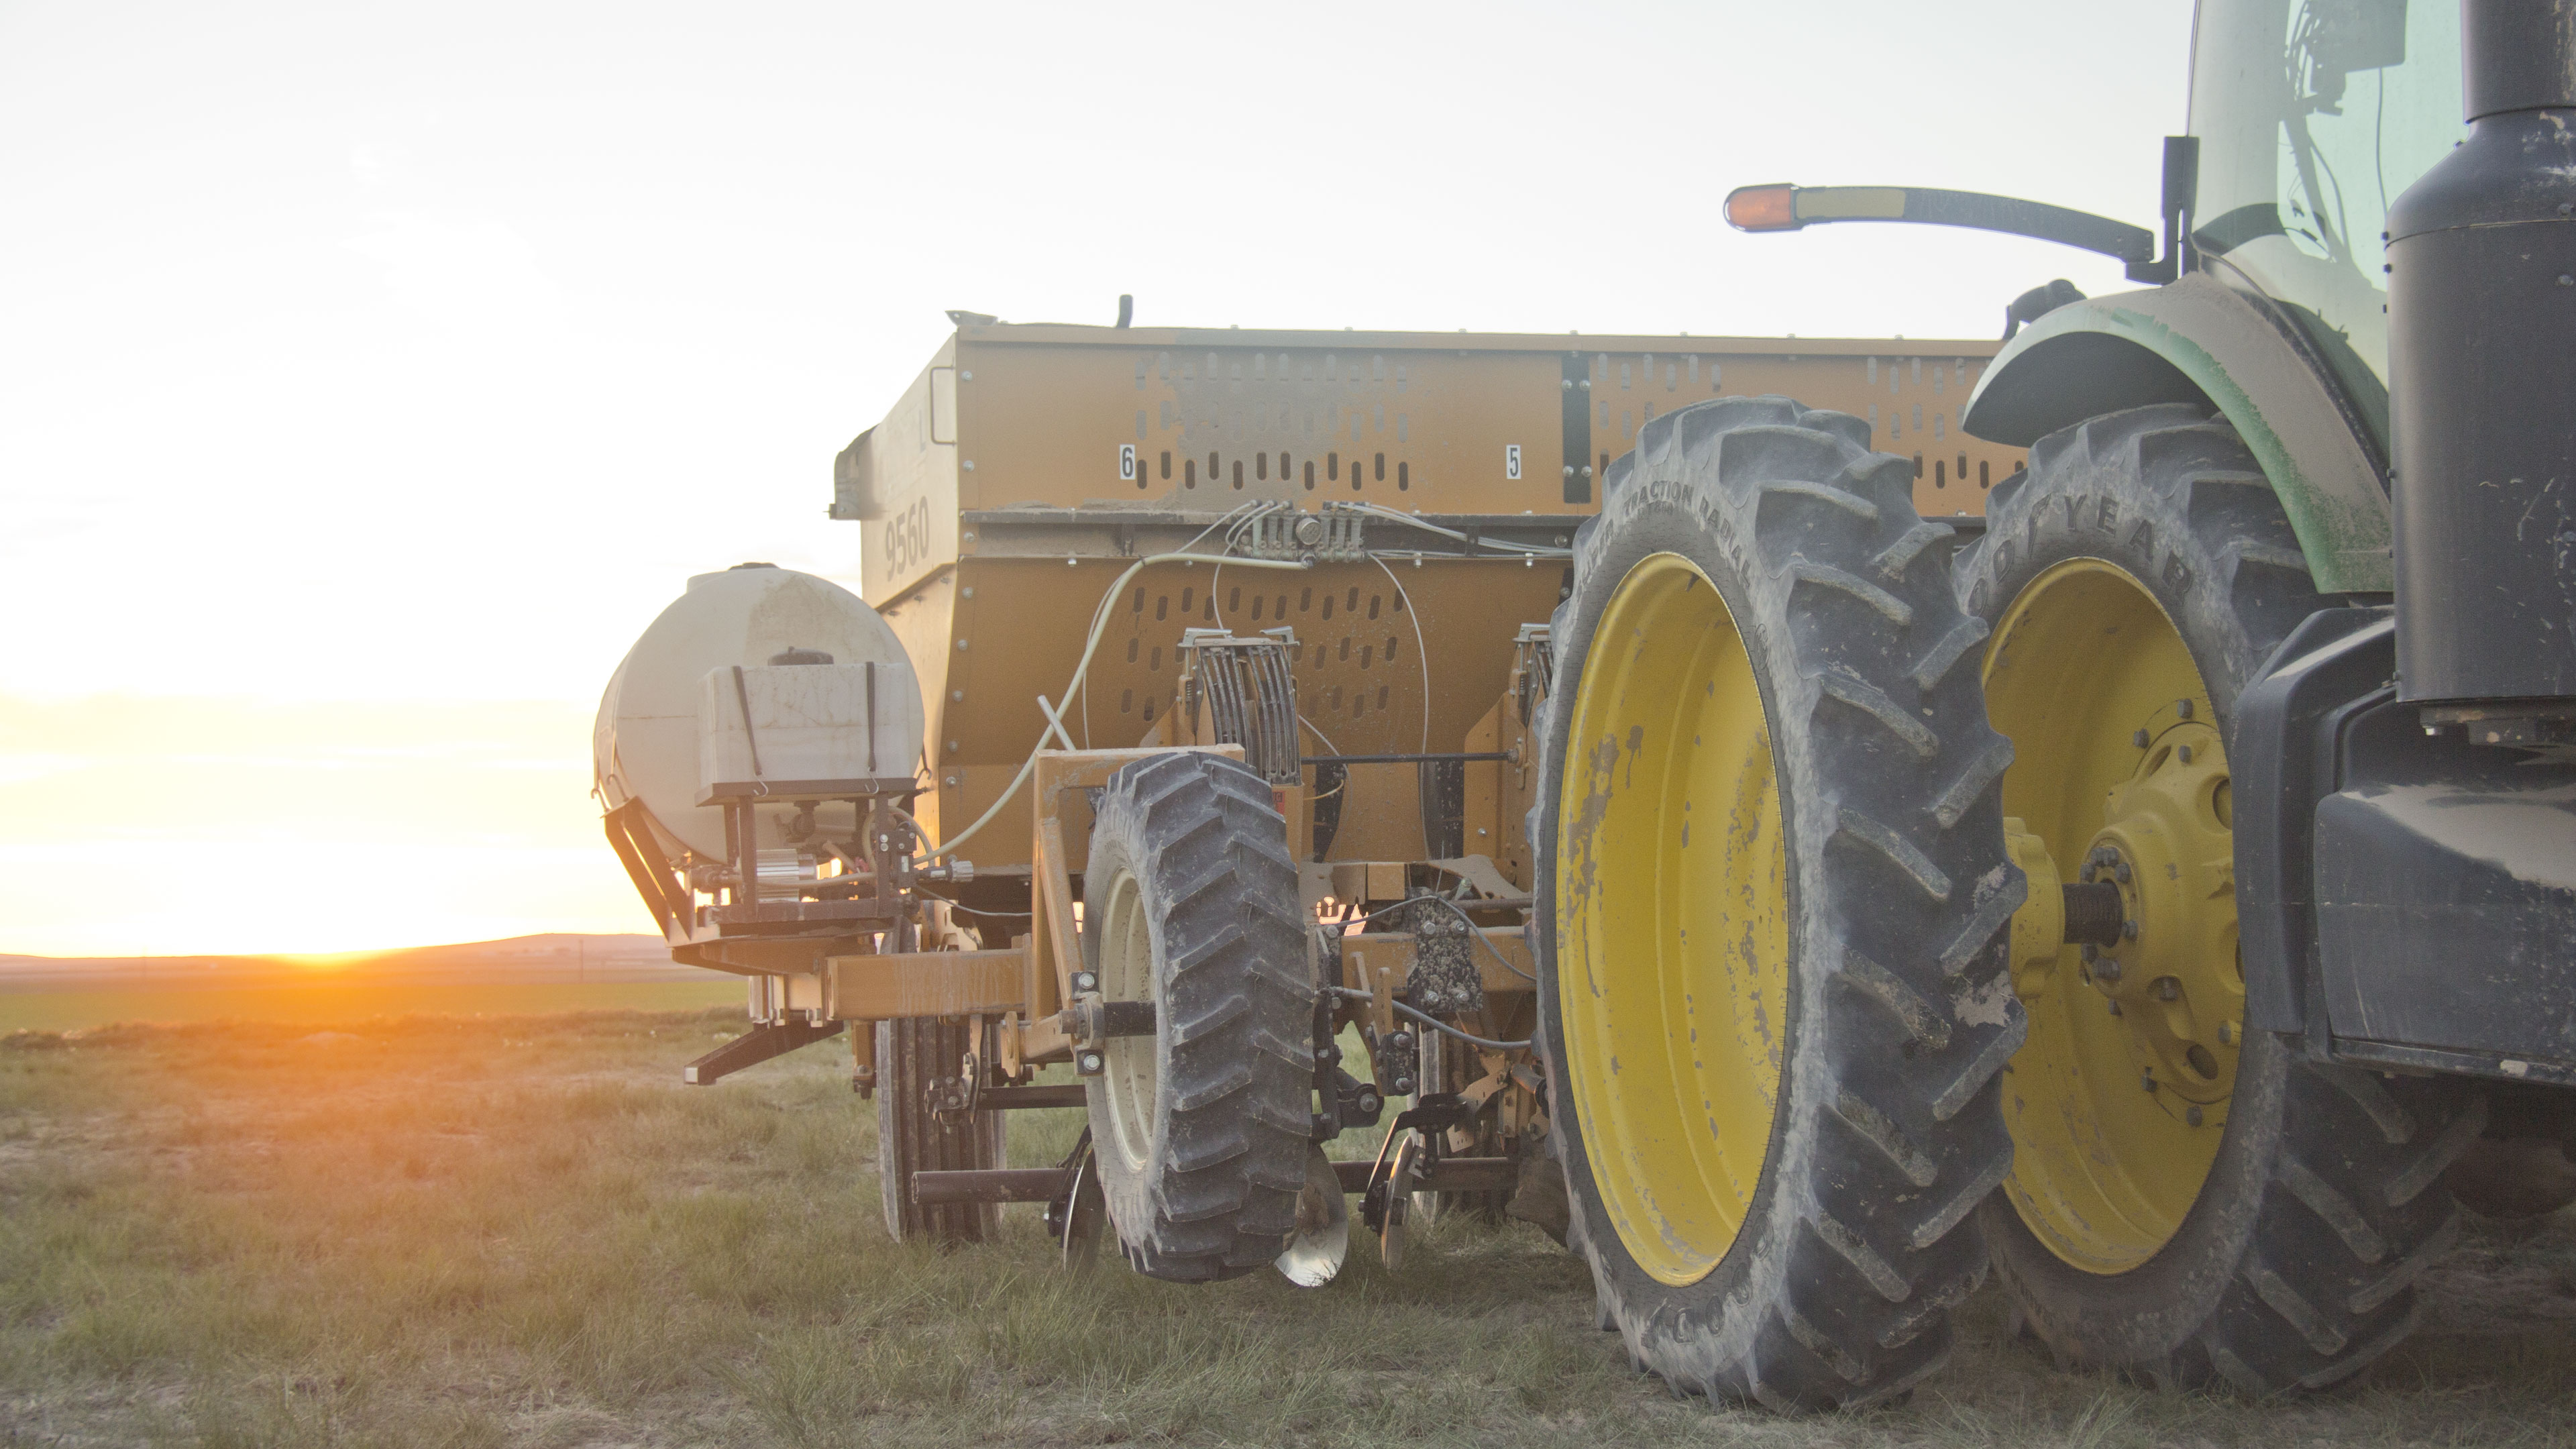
pixel 327 832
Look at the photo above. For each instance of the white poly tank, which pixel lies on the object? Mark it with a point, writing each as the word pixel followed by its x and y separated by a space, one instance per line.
pixel 649 739
pixel 805 724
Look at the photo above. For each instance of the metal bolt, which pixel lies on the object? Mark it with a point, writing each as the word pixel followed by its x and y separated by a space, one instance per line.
pixel 952 747
pixel 2128 930
pixel 2146 1083
pixel 951 782
pixel 1329 1055
pixel 1085 981
pixel 958 695
pixel 1403 1086
pixel 2191 1115
pixel 2139 739
pixel 2565 280
pixel 1368 1102
pixel 1090 1064
pixel 2115 1008
pixel 961 645
pixel 2168 989
pixel 2120 872
pixel 2226 1033
pixel 2108 968
pixel 2183 754
pixel 2092 953
pixel 970 465
pixel 2182 709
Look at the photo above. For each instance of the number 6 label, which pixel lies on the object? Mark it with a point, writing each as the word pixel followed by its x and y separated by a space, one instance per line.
pixel 1126 462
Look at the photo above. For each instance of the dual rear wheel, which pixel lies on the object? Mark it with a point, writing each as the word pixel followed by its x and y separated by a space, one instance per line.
pixel 1776 998
pixel 1775 1001
pixel 2187 1202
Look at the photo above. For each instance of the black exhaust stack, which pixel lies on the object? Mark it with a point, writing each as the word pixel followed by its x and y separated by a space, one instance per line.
pixel 2482 372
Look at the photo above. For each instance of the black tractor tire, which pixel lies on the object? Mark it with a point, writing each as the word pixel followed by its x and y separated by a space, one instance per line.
pixel 2295 1266
pixel 1837 1288
pixel 911 1053
pixel 1190 881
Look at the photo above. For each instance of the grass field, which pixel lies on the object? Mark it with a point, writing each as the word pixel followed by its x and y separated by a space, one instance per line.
pixel 459 1231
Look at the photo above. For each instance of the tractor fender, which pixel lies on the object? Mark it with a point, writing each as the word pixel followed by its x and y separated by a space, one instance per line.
pixel 2200 340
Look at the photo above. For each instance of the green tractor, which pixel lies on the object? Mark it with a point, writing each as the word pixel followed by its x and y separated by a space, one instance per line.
pixel 1983 928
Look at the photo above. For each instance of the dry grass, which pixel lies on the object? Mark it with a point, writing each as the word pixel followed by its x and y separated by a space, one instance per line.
pixel 524 1231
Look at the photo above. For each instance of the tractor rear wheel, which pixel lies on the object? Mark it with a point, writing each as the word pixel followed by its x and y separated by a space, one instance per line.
pixel 1201 1130
pixel 2185 1203
pixel 1774 1000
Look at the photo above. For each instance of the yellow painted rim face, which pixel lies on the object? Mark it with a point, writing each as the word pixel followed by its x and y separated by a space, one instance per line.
pixel 2117 1101
pixel 1672 928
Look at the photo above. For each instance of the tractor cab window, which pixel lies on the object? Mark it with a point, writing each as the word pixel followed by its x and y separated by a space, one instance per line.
pixel 2313 116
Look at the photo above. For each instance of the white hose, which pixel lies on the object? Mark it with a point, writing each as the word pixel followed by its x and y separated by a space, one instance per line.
pixel 1099 627
pixel 1421 654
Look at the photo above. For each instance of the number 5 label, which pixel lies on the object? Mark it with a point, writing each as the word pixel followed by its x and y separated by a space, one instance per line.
pixel 1512 462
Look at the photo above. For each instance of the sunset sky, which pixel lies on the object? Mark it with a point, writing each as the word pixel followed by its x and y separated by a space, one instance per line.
pixel 370 375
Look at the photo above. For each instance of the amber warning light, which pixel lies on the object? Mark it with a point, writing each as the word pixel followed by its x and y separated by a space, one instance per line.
pixel 1763 208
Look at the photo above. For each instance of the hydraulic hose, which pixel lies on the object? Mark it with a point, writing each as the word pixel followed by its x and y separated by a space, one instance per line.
pixel 1099 627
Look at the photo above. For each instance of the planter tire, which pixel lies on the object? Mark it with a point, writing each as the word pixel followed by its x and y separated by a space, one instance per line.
pixel 1201 1130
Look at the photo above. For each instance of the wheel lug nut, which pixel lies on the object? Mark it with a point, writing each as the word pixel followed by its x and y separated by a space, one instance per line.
pixel 2182 709
pixel 2146 1083
pixel 2191 1115
pixel 2120 872
pixel 2092 953
pixel 2139 739
pixel 2168 989
pixel 2183 754
pixel 2128 930
pixel 2115 1008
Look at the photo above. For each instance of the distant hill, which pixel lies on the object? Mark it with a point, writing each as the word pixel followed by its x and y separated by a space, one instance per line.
pixel 552 959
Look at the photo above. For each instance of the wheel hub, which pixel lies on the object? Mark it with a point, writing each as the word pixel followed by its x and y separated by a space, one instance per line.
pixel 2125 956
pixel 2173 979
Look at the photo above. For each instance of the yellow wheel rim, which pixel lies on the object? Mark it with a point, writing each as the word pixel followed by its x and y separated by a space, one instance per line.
pixel 2117 1101
pixel 1672 928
